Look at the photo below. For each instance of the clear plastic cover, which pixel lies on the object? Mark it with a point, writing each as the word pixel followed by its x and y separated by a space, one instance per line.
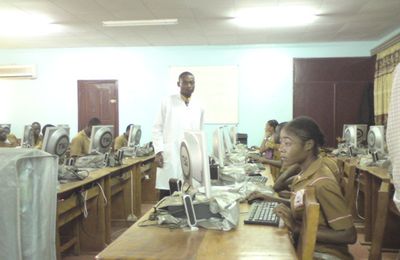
pixel 28 198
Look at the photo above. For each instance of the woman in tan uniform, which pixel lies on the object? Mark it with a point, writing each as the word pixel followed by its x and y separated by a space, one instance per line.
pixel 300 142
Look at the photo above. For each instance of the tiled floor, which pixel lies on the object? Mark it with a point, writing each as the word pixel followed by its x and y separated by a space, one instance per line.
pixel 359 251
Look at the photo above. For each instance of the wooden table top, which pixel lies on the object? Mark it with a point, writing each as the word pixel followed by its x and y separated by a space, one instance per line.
pixel 244 242
pixel 99 173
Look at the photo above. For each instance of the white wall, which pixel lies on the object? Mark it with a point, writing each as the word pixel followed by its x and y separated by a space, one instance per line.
pixel 265 81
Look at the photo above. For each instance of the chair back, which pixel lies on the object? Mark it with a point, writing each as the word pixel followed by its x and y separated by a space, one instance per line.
pixel 309 226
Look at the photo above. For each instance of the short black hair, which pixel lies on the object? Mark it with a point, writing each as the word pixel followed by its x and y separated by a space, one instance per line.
pixel 184 74
pixel 94 121
pixel 306 129
pixel 272 123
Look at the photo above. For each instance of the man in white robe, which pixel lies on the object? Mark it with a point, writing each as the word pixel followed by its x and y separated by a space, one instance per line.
pixel 177 114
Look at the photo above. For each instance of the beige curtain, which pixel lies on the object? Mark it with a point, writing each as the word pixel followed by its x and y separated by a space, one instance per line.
pixel 386 62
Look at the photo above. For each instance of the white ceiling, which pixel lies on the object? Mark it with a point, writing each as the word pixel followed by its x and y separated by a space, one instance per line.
pixel 201 22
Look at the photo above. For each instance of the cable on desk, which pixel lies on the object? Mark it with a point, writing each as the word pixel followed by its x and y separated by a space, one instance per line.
pixel 102 192
pixel 357 194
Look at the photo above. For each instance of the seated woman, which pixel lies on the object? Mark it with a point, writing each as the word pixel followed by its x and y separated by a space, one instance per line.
pixel 267 146
pixel 282 173
pixel 300 143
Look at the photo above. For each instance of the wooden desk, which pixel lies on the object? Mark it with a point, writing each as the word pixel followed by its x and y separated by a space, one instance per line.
pixel 382 226
pixel 121 187
pixel 245 242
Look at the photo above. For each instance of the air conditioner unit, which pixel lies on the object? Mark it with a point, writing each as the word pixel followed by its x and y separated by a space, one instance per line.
pixel 18 72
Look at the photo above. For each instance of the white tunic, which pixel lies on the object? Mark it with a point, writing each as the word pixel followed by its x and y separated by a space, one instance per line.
pixel 392 134
pixel 172 120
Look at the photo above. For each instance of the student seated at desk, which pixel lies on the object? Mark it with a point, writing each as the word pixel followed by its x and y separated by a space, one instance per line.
pixel 122 140
pixel 4 138
pixel 285 173
pixel 300 142
pixel 37 137
pixel 268 146
pixel 80 143
pixel 39 146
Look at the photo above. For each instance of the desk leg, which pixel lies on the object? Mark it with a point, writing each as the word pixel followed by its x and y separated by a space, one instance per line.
pixel 107 210
pixel 380 221
pixel 136 187
pixel 368 206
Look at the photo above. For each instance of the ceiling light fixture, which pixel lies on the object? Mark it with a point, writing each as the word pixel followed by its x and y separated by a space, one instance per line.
pixel 140 22
pixel 275 17
pixel 20 24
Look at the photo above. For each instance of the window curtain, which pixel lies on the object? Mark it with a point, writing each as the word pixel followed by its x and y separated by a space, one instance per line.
pixel 386 62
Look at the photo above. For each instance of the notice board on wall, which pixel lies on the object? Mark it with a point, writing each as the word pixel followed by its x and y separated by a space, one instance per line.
pixel 216 89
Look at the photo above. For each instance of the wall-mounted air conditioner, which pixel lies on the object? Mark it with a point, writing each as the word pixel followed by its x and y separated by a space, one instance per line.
pixel 17 71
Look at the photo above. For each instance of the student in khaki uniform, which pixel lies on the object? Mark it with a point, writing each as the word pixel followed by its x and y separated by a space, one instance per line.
pixel 300 142
pixel 80 143
pixel 11 138
pixel 37 137
pixel 4 141
pixel 40 145
pixel 279 172
pixel 268 145
pixel 122 140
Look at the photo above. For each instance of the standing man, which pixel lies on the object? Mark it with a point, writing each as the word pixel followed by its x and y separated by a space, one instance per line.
pixel 177 114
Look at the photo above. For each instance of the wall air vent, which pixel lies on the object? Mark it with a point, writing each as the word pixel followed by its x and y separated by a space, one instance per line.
pixel 17 72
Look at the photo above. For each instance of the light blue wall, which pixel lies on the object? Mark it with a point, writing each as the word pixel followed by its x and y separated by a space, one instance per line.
pixel 265 81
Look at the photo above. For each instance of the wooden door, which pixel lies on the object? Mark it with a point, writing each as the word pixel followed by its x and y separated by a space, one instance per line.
pixel 315 100
pixel 332 91
pixel 98 98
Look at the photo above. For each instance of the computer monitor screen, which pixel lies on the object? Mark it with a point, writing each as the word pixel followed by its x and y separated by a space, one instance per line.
pixel 376 139
pixel 28 140
pixel 135 133
pixel 218 147
pixel 56 140
pixel 354 135
pixel 101 138
pixel 194 160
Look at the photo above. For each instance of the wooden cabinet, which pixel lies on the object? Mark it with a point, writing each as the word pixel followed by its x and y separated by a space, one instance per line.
pixel 334 91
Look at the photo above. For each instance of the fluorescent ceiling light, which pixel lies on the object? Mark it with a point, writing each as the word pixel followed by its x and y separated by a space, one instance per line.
pixel 275 17
pixel 20 24
pixel 140 22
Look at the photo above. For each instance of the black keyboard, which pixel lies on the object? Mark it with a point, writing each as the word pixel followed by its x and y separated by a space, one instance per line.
pixel 258 179
pixel 261 213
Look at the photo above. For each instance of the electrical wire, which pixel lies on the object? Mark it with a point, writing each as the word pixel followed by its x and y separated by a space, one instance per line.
pixel 357 195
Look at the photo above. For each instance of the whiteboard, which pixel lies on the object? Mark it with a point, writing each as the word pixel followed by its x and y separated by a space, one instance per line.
pixel 216 89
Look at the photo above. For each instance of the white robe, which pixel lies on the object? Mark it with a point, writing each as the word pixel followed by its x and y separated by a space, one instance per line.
pixel 172 120
pixel 392 134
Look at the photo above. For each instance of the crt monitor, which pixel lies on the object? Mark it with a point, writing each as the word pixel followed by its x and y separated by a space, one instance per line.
pixel 354 135
pixel 376 139
pixel 56 140
pixel 218 147
pixel 28 140
pixel 101 138
pixel 135 133
pixel 194 160
pixel 227 140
